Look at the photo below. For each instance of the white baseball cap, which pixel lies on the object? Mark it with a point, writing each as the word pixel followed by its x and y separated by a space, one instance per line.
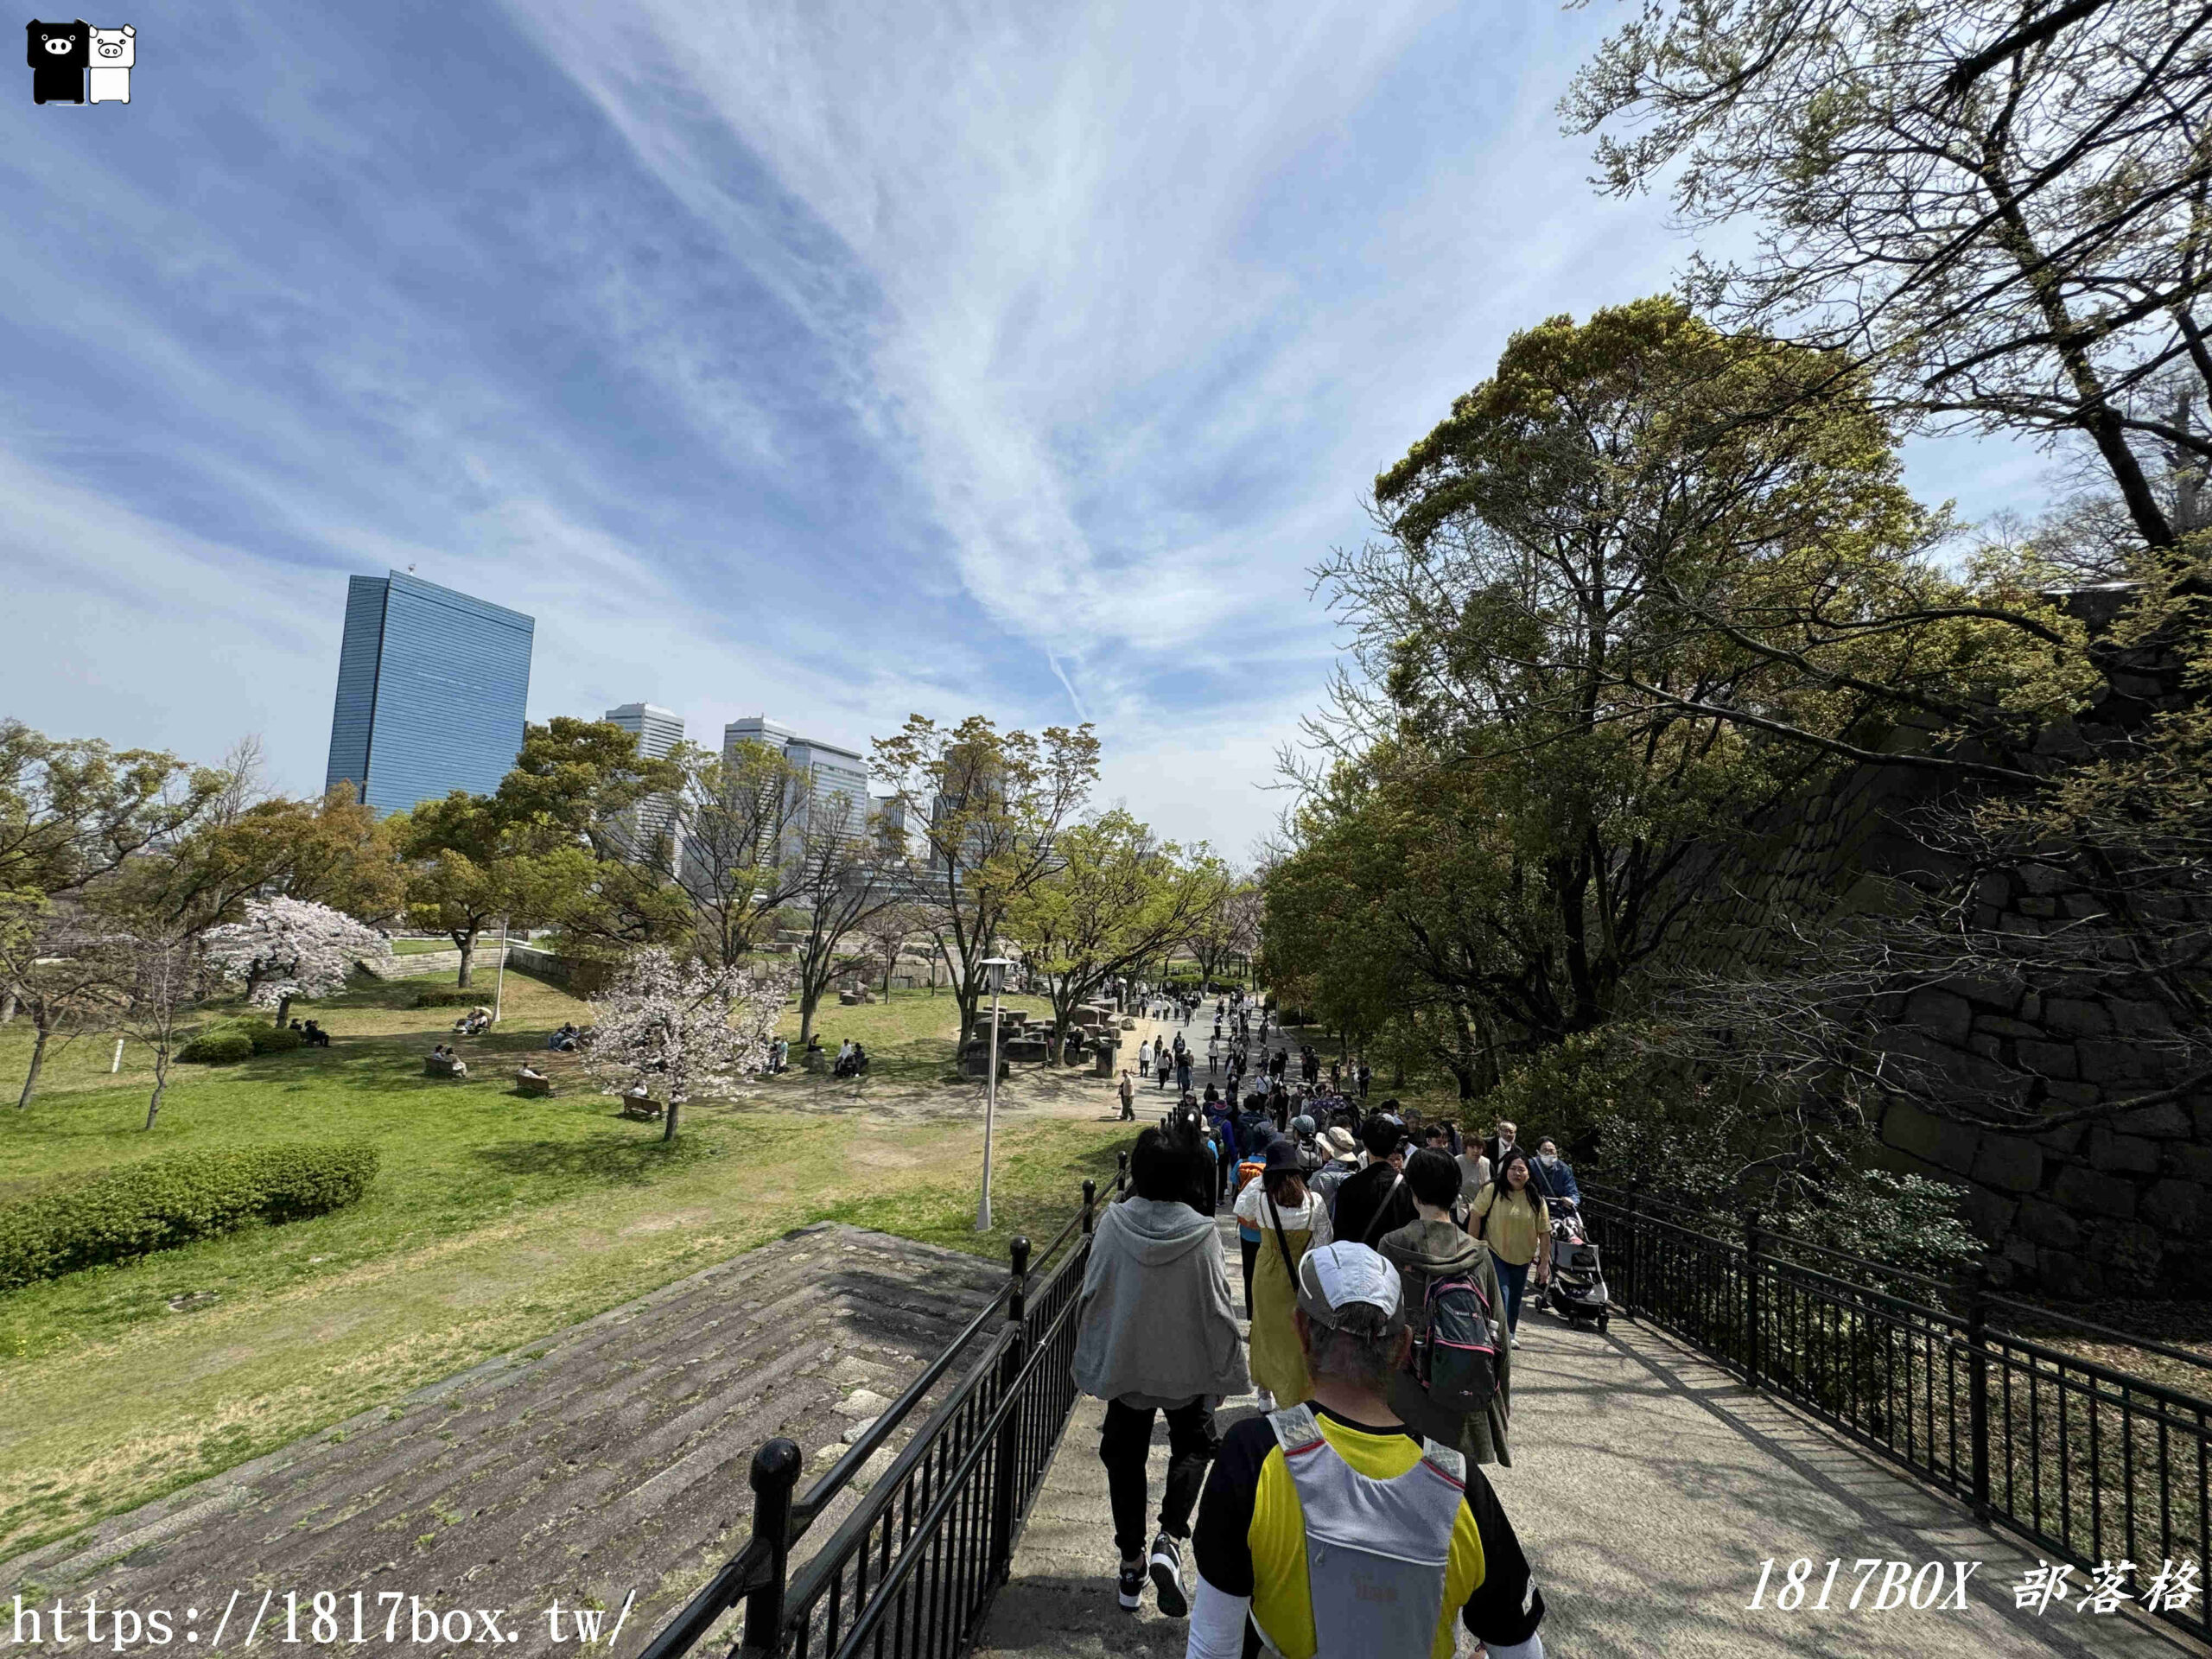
pixel 1348 1286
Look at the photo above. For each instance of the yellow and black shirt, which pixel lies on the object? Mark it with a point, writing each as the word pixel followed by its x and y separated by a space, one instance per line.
pixel 1250 1539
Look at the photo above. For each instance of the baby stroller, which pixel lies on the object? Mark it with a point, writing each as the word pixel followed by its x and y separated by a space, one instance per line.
pixel 1577 1286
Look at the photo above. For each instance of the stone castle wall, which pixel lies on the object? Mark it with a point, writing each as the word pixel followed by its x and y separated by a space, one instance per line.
pixel 2113 1204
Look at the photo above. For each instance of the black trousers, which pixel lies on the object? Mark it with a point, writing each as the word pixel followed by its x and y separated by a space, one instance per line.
pixel 1250 1247
pixel 1123 1447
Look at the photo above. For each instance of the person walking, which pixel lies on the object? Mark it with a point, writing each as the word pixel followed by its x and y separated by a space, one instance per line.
pixel 1341 1163
pixel 1129 1091
pixel 1183 1069
pixel 1366 1077
pixel 1144 1058
pixel 1333 1530
pixel 1433 1250
pixel 1512 1218
pixel 1376 1201
pixel 1155 1331
pixel 1289 1220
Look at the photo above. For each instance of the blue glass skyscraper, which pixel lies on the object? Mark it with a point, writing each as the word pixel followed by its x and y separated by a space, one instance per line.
pixel 431 686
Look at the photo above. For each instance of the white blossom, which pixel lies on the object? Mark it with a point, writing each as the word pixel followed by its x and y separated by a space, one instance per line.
pixel 291 948
pixel 683 1030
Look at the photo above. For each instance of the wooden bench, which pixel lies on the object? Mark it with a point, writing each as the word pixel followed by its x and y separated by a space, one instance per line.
pixel 534 1088
pixel 434 1067
pixel 640 1109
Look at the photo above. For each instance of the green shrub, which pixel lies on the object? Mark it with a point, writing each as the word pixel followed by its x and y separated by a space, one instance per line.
pixel 276 1040
pixel 448 996
pixel 165 1201
pixel 218 1048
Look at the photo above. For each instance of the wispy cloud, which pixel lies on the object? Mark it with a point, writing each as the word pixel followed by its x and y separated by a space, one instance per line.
pixel 840 362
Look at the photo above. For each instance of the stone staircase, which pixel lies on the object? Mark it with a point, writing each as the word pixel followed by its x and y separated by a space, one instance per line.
pixel 606 1463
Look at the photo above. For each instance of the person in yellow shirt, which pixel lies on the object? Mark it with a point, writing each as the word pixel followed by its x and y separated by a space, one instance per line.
pixel 1331 1530
pixel 1511 1217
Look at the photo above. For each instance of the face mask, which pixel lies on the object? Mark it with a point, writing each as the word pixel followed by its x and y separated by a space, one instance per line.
pixel 1547 1159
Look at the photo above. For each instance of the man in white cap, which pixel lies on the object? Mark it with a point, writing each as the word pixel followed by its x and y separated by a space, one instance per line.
pixel 1330 1531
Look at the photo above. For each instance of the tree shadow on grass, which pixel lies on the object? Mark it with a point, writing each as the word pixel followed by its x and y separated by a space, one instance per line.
pixel 613 1161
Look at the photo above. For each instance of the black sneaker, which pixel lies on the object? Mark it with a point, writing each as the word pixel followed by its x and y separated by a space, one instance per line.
pixel 1167 1576
pixel 1132 1585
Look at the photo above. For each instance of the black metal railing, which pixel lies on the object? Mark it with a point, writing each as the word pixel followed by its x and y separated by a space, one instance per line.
pixel 911 1569
pixel 2094 1465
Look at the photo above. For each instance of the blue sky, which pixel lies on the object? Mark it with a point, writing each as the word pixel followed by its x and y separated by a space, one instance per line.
pixel 834 361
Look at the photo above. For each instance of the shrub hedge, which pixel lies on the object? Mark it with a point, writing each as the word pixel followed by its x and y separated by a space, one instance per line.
pixel 218 1048
pixel 276 1040
pixel 165 1201
pixel 448 996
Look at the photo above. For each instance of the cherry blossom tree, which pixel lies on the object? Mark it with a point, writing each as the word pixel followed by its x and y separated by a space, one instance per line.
pixel 683 1029
pixel 291 947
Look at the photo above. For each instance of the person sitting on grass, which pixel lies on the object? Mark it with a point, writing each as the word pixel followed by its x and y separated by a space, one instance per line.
pixel 564 1040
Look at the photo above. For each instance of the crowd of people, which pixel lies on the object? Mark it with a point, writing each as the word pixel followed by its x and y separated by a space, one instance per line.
pixel 1385 1261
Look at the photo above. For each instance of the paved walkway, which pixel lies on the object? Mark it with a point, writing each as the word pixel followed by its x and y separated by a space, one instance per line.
pixel 1647 1488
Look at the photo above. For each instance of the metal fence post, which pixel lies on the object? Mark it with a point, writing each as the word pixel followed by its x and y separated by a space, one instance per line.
pixel 1090 1206
pixel 1008 1452
pixel 1630 1279
pixel 1977 1288
pixel 1751 1297
pixel 774 1478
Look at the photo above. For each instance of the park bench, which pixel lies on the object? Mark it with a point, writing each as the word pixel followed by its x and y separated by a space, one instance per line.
pixel 434 1067
pixel 640 1109
pixel 534 1088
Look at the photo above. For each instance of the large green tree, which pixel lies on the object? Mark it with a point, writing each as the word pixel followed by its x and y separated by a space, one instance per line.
pixel 987 809
pixel 1114 898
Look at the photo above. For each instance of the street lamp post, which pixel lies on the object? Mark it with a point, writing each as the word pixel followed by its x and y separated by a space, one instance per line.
pixel 995 977
pixel 499 986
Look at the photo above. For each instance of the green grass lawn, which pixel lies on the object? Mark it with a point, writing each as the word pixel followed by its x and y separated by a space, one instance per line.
pixel 493 1221
pixel 421 947
pixel 910 1039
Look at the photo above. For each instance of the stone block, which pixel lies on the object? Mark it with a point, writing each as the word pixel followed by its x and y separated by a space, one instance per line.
pixel 2129 1014
pixel 2122 1154
pixel 2162 1122
pixel 2003 1025
pixel 1991 991
pixel 2047 1059
pixel 2063 1273
pixel 2041 909
pixel 2010 1163
pixel 2190 1163
pixel 2130 1250
pixel 2043 880
pixel 2065 1140
pixel 2178 1207
pixel 2074 1016
pixel 2073 1094
pixel 1942 1015
pixel 2048 1224
pixel 2082 1189
pixel 1990 1214
pixel 1911 1130
pixel 2106 1060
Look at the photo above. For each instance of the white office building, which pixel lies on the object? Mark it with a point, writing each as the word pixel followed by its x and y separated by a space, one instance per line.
pixel 658 731
pixel 839 775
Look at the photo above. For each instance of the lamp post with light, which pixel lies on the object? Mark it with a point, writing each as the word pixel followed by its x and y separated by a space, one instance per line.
pixel 993 977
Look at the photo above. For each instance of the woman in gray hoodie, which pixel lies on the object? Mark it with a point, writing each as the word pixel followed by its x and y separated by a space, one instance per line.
pixel 1156 1330
pixel 1430 1248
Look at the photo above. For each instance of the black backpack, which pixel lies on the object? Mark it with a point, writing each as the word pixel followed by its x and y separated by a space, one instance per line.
pixel 1458 1361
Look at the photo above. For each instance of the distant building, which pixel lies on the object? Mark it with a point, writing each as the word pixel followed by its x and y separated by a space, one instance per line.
pixel 839 774
pixel 658 731
pixel 431 689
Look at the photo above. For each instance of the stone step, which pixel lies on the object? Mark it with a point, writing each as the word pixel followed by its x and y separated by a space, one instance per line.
pixel 610 1459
